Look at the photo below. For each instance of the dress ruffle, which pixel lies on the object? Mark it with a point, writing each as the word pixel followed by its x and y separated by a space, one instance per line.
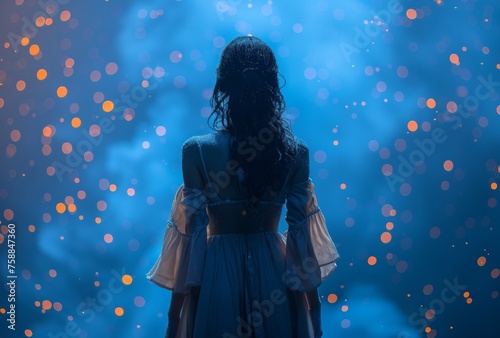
pixel 180 264
pixel 311 254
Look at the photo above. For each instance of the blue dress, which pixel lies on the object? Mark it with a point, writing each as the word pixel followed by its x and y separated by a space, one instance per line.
pixel 252 279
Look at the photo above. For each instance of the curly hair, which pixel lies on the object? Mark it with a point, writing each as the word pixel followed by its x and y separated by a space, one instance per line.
pixel 248 103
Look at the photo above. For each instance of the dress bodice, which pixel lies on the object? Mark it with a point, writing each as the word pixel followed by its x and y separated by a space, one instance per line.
pixel 228 209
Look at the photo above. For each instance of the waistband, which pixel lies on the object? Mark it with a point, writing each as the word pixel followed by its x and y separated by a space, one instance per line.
pixel 225 219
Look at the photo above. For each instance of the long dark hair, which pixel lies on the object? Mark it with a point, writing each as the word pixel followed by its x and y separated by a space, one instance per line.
pixel 248 103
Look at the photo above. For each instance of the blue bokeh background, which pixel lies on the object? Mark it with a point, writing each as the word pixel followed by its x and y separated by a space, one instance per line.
pixel 367 82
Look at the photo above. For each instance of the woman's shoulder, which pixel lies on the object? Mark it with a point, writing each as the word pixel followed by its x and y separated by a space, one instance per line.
pixel 218 138
pixel 300 146
pixel 204 141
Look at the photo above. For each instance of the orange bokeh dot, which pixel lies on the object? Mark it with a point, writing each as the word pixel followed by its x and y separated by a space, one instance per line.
pixel 46 305
pixel 60 207
pixel 127 279
pixel 52 273
pixel 88 156
pixel 76 122
pixel 131 191
pixel 40 21
pixel 41 74
pixel 454 59
pixel 71 207
pixel 469 300
pixel 102 205
pixel 431 103
pixel 108 238
pixel 49 131
pixel 112 187
pixel 385 237
pixel 119 311
pixel 25 41
pixel 429 314
pixel 31 228
pixel 62 91
pixel 94 130
pixel 411 14
pixel 69 63
pixel 8 214
pixel 428 289
pixel 10 150
pixel 67 148
pixel 111 68
pixel 28 333
pixel 98 220
pixel 494 186
pixel 412 126
pixel 46 150
pixel 34 50
pixel 387 169
pixel 372 260
pixel 481 261
pixel 15 135
pixel 332 298
pixel 448 165
pixel 108 106
pixel 451 107
pixel 389 225
pixel 48 21
pixel 20 85
pixel 65 15
pixel 342 186
pixel 51 170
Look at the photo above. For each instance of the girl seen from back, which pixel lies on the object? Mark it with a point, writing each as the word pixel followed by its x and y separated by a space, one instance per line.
pixel 232 274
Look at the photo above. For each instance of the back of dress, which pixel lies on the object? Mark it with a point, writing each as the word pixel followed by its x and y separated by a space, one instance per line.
pixel 229 208
pixel 250 280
